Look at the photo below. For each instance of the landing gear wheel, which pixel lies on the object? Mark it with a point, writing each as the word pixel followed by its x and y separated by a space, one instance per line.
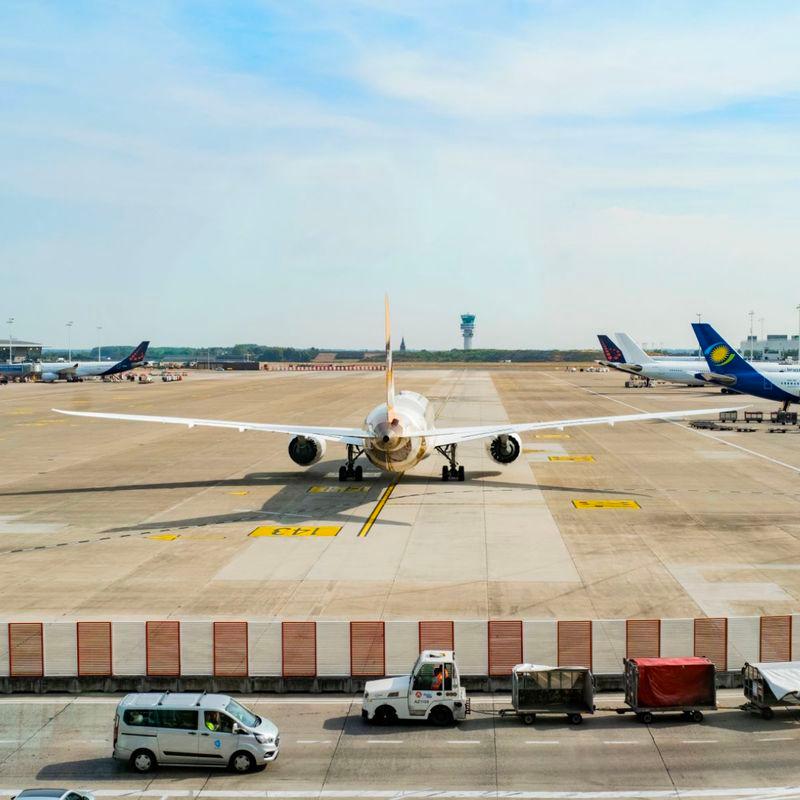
pixel 342 473
pixel 528 719
pixel 445 473
pixel 441 716
pixel 358 473
pixel 460 473
pixel 575 719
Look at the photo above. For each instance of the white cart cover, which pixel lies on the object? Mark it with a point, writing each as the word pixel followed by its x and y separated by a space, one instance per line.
pixel 783 679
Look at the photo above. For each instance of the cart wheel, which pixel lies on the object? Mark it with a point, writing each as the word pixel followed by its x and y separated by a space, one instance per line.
pixel 620 711
pixel 528 719
pixel 575 719
pixel 697 716
pixel 767 713
pixel 646 717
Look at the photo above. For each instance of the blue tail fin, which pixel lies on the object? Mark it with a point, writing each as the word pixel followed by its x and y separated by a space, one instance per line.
pixel 135 359
pixel 612 353
pixel 721 357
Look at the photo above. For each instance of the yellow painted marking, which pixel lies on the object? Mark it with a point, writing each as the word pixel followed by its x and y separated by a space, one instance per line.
pixel 387 493
pixel 570 458
pixel 552 436
pixel 605 504
pixel 164 537
pixel 238 494
pixel 338 489
pixel 270 530
pixel 532 450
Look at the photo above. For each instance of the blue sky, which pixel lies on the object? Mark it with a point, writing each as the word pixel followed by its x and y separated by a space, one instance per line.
pixel 209 172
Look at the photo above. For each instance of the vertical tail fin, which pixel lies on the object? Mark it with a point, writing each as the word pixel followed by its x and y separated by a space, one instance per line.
pixel 612 353
pixel 722 358
pixel 389 370
pixel 631 350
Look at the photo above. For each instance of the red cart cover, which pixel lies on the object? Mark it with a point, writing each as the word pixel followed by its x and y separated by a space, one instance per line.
pixel 674 682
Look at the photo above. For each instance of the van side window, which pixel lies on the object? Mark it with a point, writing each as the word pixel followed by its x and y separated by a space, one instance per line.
pixel 178 719
pixel 423 680
pixel 147 717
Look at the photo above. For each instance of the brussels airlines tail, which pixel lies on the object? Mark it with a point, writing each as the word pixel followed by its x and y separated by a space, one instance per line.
pixel 612 353
pixel 729 368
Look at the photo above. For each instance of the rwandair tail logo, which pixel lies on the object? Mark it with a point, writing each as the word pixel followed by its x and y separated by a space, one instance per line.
pixel 720 354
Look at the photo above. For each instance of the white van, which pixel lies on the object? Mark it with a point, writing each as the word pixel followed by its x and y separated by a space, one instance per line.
pixel 152 728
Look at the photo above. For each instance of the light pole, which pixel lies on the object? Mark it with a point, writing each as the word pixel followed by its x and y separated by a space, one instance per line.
pixel 69 340
pixel 751 314
pixel 99 343
pixel 10 322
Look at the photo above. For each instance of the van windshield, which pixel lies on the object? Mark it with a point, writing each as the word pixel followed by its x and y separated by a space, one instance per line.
pixel 242 715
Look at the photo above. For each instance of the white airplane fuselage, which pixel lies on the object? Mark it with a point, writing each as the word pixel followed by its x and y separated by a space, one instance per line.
pixel 395 448
pixel 690 372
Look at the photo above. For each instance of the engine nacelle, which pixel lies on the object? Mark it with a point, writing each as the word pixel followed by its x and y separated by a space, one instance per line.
pixel 306 450
pixel 49 377
pixel 504 448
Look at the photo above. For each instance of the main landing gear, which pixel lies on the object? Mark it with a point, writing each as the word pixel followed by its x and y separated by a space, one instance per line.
pixel 350 471
pixel 455 471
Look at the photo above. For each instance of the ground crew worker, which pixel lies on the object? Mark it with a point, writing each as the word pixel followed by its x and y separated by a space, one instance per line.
pixel 439 676
pixel 212 720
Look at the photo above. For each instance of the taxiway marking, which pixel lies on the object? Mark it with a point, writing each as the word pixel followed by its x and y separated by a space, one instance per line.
pixel 387 493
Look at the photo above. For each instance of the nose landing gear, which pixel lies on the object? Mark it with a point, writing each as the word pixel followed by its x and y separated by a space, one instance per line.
pixel 350 471
pixel 455 471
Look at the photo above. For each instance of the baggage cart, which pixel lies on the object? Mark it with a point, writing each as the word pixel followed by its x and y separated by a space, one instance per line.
pixel 728 416
pixel 768 685
pixel 660 685
pixel 538 689
pixel 753 416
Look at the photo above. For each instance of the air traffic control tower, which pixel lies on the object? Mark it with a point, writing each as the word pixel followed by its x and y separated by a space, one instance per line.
pixel 468 329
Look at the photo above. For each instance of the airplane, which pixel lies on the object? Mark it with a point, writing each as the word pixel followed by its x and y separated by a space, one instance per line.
pixel 628 356
pixel 399 432
pixel 729 369
pixel 55 370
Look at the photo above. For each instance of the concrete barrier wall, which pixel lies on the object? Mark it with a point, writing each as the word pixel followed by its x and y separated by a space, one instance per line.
pixel 341 649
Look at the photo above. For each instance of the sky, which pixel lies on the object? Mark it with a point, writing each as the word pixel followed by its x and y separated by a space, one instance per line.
pixel 214 172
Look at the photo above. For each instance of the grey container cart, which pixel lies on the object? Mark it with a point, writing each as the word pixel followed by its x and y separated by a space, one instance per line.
pixel 538 689
pixel 768 685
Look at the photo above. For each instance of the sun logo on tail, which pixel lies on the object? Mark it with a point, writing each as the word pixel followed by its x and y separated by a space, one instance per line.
pixel 720 354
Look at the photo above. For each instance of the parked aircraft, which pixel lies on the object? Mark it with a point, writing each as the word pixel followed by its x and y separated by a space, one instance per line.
pixel 397 434
pixel 728 368
pixel 73 371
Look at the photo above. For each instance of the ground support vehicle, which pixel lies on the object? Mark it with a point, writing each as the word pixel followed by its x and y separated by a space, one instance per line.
pixel 188 728
pixel 537 689
pixel 431 692
pixel 769 685
pixel 657 685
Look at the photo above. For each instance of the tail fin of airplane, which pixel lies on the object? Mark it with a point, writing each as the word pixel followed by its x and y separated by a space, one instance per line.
pixel 611 352
pixel 389 370
pixel 631 350
pixel 134 359
pixel 721 357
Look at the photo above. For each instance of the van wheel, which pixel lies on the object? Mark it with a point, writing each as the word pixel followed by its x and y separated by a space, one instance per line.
pixel 242 762
pixel 385 715
pixel 143 761
pixel 441 716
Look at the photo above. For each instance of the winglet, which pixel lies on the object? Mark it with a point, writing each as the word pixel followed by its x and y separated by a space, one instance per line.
pixel 389 370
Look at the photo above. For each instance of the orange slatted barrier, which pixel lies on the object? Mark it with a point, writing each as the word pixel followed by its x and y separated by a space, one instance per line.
pixel 94 648
pixel 575 643
pixel 25 649
pixel 163 648
pixel 230 649
pixel 367 649
pixel 435 635
pixel 299 646
pixel 711 640
pixel 643 638
pixel 776 638
pixel 505 646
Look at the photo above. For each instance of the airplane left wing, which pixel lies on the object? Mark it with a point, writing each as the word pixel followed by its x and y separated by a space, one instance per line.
pixel 342 435
pixel 442 436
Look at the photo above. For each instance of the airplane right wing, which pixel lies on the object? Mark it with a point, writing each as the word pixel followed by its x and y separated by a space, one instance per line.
pixel 343 435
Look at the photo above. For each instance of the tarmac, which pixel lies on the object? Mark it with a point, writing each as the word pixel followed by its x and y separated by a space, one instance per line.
pixel 102 519
pixel 327 751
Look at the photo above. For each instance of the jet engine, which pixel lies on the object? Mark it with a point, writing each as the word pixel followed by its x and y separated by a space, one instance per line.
pixel 306 450
pixel 504 448
pixel 49 377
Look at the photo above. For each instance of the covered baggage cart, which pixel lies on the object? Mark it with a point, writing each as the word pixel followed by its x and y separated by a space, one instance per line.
pixel 539 689
pixel 655 685
pixel 771 684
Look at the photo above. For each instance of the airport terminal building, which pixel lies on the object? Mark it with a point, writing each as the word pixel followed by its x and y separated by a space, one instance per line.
pixel 21 350
pixel 776 347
